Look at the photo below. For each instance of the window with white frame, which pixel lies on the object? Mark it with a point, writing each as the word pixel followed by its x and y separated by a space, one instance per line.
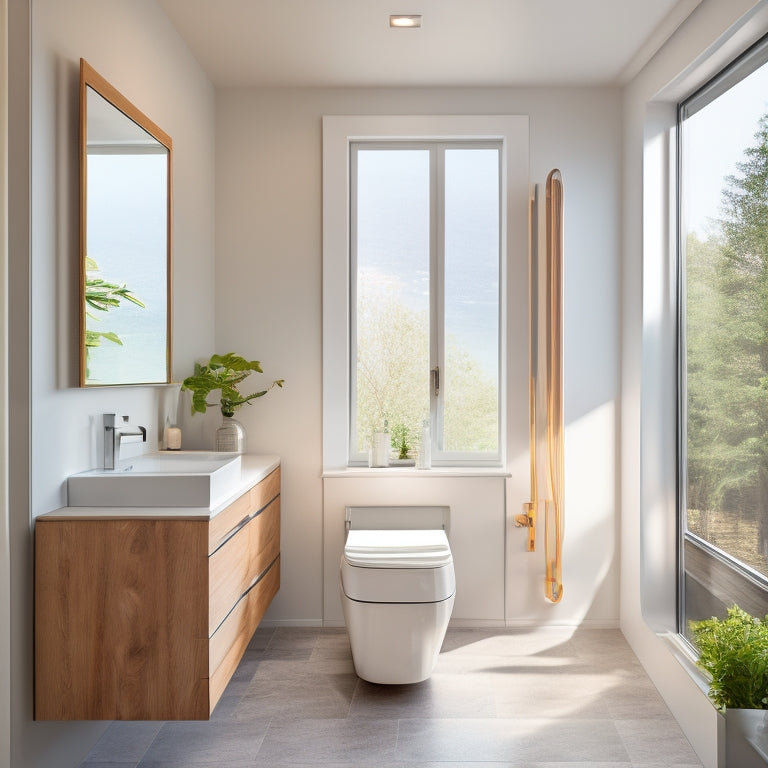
pixel 416 262
pixel 426 305
pixel 723 199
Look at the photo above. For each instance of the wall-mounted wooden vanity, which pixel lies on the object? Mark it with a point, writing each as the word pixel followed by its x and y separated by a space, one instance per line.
pixel 144 614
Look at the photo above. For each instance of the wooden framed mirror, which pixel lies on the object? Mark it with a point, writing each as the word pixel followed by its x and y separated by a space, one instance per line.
pixel 125 240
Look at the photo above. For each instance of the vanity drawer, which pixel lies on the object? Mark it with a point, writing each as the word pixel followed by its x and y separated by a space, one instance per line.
pixel 265 491
pixel 228 644
pixel 236 565
pixel 227 522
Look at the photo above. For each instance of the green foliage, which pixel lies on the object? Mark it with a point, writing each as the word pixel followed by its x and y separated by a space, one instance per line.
pixel 225 373
pixel 93 338
pixel 101 296
pixel 734 651
pixel 393 380
pixel 401 440
pixel 392 377
pixel 727 350
pixel 474 425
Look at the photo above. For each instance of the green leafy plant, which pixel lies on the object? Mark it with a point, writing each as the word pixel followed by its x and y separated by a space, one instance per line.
pixel 734 651
pixel 401 440
pixel 225 373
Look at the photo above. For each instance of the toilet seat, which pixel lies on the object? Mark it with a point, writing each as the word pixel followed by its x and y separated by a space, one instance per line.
pixel 397 566
pixel 397 549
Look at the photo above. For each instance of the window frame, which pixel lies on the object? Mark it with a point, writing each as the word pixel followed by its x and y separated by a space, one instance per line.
pixel 750 581
pixel 436 150
pixel 338 132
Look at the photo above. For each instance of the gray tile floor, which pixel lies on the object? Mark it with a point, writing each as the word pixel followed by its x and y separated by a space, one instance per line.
pixel 549 698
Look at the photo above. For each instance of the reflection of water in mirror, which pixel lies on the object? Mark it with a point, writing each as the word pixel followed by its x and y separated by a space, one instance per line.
pixel 127 238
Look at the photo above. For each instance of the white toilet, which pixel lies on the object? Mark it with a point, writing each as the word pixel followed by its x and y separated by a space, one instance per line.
pixel 397 589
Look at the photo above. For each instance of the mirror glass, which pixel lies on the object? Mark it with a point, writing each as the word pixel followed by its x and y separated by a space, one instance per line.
pixel 125 232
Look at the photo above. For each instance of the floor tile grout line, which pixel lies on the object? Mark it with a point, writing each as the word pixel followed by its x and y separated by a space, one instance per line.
pixel 346 694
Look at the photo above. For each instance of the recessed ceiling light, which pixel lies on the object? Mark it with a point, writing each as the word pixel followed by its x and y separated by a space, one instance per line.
pixel 405 20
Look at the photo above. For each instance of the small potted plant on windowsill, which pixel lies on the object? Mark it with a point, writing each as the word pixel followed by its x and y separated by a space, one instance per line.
pixel 734 653
pixel 401 442
pixel 225 373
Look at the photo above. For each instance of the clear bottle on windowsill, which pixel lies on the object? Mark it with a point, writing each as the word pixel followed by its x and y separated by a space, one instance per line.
pixel 424 459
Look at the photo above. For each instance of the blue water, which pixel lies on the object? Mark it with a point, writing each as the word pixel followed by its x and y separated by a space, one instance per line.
pixel 393 238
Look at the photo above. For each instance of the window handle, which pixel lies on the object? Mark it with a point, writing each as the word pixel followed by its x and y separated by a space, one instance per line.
pixel 436 381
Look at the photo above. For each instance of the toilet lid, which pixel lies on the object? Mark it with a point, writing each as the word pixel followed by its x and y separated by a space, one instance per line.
pixel 397 549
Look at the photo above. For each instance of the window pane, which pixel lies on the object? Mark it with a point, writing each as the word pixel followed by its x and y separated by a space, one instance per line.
pixel 471 313
pixel 724 199
pixel 393 289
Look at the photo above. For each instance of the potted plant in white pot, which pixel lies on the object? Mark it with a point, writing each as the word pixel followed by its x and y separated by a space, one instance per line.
pixel 224 373
pixel 734 653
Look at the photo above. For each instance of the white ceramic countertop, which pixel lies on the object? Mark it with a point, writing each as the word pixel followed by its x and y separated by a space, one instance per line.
pixel 254 469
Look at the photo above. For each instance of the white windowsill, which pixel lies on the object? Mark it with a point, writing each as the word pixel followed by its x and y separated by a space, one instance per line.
pixel 413 472
pixel 685 656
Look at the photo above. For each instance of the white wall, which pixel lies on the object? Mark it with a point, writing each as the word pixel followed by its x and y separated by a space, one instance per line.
pixel 268 305
pixel 714 34
pixel 132 44
pixel 475 531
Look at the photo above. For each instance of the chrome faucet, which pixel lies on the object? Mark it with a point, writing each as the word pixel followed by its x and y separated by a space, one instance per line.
pixel 112 436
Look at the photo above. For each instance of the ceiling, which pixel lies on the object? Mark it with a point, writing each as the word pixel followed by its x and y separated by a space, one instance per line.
pixel 461 42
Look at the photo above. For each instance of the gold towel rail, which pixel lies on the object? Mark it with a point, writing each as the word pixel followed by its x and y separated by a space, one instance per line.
pixel 554 519
pixel 530 508
pixel 547 368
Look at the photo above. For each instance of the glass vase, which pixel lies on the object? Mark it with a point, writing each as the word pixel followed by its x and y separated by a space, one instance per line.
pixel 230 436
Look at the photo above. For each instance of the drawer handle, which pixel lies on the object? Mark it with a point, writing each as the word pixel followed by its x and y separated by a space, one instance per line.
pixel 250 587
pixel 227 536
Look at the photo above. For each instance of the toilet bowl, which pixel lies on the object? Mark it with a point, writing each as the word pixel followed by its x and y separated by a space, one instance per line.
pixel 397 591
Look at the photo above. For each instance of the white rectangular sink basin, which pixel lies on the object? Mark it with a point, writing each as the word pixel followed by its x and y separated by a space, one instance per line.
pixel 180 479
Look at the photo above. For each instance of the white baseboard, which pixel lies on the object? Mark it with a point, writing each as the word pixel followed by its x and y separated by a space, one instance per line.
pixel 270 624
pixel 464 624
pixel 583 624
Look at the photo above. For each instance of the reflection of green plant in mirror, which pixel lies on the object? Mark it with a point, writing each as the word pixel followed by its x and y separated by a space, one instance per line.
pixel 102 296
pixel 223 372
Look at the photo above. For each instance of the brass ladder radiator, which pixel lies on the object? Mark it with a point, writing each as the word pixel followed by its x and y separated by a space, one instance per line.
pixel 546 385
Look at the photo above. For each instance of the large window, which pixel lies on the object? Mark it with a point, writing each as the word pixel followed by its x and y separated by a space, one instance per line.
pixel 425 277
pixel 724 340
pixel 425 282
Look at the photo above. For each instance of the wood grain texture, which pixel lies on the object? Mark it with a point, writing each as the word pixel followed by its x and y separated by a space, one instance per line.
pixel 264 538
pixel 248 505
pixel 120 626
pixel 230 641
pixel 229 576
pixel 266 490
pixel 228 520
pixel 235 566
